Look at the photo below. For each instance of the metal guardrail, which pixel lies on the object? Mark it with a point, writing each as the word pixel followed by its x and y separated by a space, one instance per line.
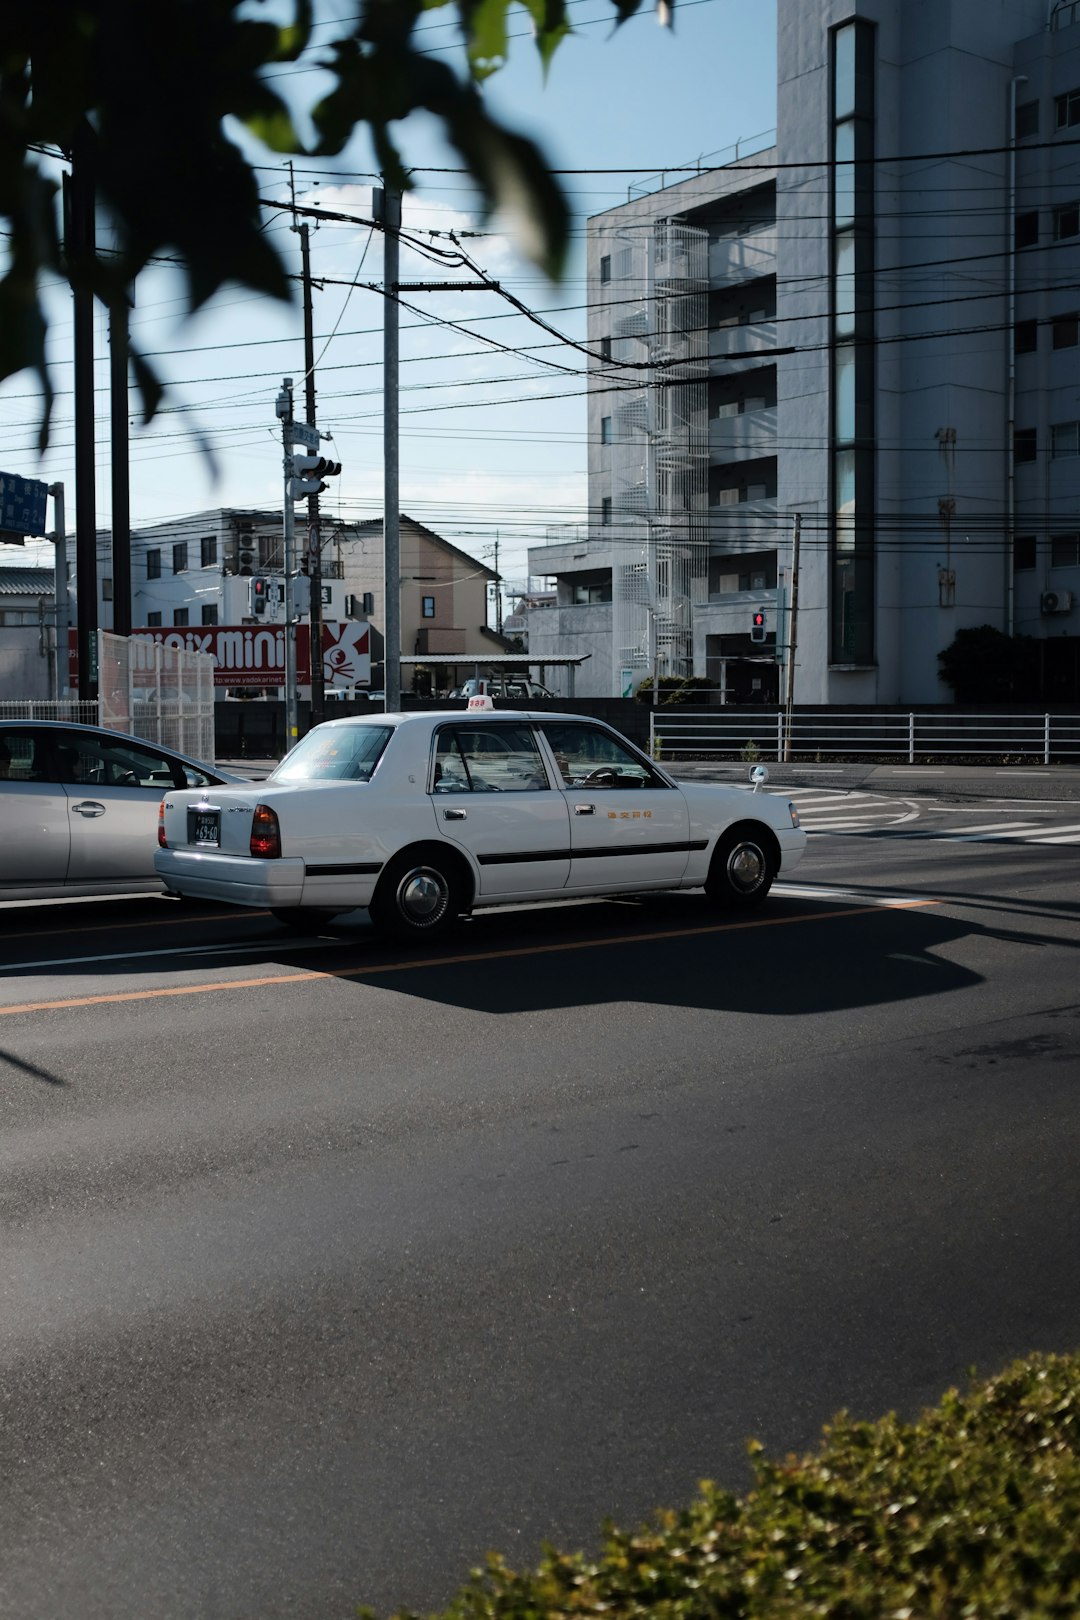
pixel 910 735
pixel 74 709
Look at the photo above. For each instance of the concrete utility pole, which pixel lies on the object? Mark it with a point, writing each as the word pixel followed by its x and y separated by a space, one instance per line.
pixel 793 614
pixel 61 662
pixel 121 483
pixel 387 209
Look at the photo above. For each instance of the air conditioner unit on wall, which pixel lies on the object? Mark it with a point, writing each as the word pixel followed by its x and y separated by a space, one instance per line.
pixel 1056 602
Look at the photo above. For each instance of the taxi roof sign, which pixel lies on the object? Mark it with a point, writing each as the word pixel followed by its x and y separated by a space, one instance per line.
pixel 480 701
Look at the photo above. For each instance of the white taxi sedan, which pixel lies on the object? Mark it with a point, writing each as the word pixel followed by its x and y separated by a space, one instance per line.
pixel 424 817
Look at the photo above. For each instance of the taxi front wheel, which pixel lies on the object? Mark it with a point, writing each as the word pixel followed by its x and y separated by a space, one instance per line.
pixel 419 896
pixel 743 866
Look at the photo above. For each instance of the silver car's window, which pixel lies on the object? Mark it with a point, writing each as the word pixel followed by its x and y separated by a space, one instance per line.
pixel 22 758
pixel 86 760
pixel 584 753
pixel 336 754
pixel 487 759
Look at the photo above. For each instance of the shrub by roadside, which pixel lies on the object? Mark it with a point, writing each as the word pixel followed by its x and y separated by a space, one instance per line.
pixel 970 1513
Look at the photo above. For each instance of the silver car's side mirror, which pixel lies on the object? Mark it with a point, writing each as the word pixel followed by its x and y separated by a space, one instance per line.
pixel 759 775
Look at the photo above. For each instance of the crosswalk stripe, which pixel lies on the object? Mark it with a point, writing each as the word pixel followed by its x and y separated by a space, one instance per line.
pixel 1005 827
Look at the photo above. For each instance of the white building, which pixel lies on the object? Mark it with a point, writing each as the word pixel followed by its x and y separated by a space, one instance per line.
pixel 872 324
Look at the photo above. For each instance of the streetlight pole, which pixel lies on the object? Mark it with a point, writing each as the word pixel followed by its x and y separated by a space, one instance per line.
pixel 388 212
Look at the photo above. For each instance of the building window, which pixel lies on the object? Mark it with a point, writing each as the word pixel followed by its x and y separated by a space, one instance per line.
pixel 1065 439
pixel 1066 331
pixel 427 607
pixel 106 590
pixel 153 564
pixel 605 269
pixel 210 613
pixel 152 620
pixel 1027 119
pixel 1066 221
pixel 180 616
pixel 605 430
pixel 605 348
pixel 1023 552
pixel 1027 229
pixel 1067 110
pixel 1024 444
pixel 1065 551
pixel 179 557
pixel 584 594
pixel 1025 337
pixel 208 550
pixel 605 511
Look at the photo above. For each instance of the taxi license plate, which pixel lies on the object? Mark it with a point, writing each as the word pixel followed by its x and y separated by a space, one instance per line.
pixel 204 827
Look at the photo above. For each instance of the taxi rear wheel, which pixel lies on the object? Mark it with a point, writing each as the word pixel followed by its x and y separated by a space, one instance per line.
pixel 419 896
pixel 743 867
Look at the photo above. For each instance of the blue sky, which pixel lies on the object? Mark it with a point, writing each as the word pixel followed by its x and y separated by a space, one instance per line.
pixel 492 443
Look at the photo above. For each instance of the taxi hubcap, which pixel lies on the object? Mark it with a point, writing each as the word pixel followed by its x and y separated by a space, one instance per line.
pixel 746 867
pixel 423 895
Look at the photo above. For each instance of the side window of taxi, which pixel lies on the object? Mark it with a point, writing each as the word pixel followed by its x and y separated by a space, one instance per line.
pixel 487 759
pixel 587 756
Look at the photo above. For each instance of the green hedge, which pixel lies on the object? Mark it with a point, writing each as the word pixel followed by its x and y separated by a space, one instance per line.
pixel 970 1513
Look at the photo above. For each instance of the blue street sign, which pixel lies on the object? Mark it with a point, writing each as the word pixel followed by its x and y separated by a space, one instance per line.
pixel 22 504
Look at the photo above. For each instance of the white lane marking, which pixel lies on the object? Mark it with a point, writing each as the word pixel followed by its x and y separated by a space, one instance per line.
pixel 998 827
pixel 238 949
pixel 1061 835
pixel 801 891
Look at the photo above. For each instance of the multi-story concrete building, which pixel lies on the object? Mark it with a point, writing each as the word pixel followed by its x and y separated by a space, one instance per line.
pixel 868 335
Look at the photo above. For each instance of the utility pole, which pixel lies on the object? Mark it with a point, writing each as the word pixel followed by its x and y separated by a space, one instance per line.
pixel 387 209
pixel 285 415
pixel 60 594
pixel 80 251
pixel 121 485
pixel 314 543
pixel 793 615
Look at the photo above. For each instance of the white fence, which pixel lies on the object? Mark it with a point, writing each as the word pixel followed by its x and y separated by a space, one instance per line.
pixel 165 694
pixel 910 735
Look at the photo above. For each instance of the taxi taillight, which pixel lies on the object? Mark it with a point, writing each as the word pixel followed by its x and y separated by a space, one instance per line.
pixel 265 842
pixel 161 826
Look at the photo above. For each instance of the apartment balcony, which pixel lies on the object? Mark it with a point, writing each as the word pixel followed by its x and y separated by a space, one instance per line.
pixel 731 438
pixel 729 342
pixel 748 519
pixel 742 258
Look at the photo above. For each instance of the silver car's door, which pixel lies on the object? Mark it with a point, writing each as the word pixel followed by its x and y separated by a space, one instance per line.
pixel 33 812
pixel 628 827
pixel 113 791
pixel 492 794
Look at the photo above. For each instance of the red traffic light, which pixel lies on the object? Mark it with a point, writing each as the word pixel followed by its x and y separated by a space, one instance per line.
pixel 757 626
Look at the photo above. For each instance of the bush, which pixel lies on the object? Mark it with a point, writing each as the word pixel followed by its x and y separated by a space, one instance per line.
pixel 675 689
pixel 983 665
pixel 973 1510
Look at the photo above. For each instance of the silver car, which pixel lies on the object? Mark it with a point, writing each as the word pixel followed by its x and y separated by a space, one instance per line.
pixel 78 808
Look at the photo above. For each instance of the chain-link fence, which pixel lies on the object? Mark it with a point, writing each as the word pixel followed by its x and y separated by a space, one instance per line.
pixel 156 691
pixel 162 693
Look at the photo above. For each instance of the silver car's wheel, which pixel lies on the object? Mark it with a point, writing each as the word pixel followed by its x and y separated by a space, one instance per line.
pixel 417 897
pixel 743 867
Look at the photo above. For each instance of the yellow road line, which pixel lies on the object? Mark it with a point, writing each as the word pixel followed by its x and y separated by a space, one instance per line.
pixel 412 963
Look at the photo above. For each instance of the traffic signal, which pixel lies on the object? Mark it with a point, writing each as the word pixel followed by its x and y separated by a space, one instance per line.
pixel 307 474
pixel 257 596
pixel 757 626
pixel 301 594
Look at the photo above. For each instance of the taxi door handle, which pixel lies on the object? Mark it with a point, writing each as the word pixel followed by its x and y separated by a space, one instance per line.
pixel 584 809
pixel 454 815
pixel 89 807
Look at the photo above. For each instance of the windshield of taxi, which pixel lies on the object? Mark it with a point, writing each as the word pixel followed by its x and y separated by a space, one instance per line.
pixel 334 754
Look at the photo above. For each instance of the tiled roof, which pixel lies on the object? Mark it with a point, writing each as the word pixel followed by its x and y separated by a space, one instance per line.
pixel 26 582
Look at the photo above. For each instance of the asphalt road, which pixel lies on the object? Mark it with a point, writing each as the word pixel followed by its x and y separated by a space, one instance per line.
pixel 326 1268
